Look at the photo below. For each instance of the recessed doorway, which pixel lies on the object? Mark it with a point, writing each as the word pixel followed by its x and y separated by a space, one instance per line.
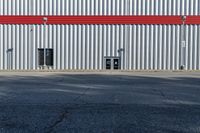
pixel 112 63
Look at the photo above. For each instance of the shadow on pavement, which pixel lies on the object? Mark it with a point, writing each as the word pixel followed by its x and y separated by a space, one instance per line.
pixel 99 103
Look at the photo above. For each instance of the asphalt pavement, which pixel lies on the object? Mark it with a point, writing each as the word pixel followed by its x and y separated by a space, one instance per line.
pixel 99 102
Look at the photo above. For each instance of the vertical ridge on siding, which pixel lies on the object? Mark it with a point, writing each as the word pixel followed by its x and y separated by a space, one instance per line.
pixel 148 47
pixel 99 7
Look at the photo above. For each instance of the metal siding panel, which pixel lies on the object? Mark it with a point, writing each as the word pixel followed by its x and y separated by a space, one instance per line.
pixel 104 40
pixel 138 47
pixel 17 47
pixel 84 46
pixel 21 47
pixel 125 45
pixel 1 8
pixel 156 48
pixel 13 45
pixel 64 39
pixel 87 47
pixel 1 47
pixel 108 41
pixel 130 48
pixel 38 40
pixel 169 12
pixel 169 48
pixel 191 48
pixel 178 34
pixel 91 46
pixel 134 46
pixel 112 49
pixel 147 47
pixel 97 49
pixel 75 47
pixel 101 47
pixel 173 48
pixel 82 56
pixel 34 48
pixel 194 56
pixel 160 45
pixel 99 7
pixel 79 45
pixel 198 49
pixel 25 48
pixel 122 45
pixel 151 47
pixel 4 47
pixel 187 44
pixel 118 40
pixel 9 63
pixel 160 52
pixel 42 7
pixel 62 47
pixel 55 46
pixel 164 47
pixel 58 46
pixel 67 47
pixel 142 47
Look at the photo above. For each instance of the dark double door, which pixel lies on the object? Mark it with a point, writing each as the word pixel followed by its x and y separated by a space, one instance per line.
pixel 112 63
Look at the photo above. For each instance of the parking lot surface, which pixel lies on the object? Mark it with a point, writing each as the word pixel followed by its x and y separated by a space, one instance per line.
pixel 101 102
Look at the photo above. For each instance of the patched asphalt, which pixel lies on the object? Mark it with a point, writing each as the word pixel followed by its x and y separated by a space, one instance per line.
pixel 103 102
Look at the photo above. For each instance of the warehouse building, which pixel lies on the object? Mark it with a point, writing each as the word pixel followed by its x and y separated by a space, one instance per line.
pixel 100 34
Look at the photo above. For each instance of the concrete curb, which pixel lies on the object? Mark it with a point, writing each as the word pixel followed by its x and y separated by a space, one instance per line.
pixel 103 71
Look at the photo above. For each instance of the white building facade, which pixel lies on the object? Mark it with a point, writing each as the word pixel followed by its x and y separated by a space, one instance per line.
pixel 126 46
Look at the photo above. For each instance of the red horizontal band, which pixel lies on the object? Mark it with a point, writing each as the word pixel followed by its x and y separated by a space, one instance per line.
pixel 98 20
pixel 192 20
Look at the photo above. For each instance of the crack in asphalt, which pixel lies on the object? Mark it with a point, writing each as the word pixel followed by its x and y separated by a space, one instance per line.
pixel 161 93
pixel 50 129
pixel 60 120
pixel 84 93
pixel 167 98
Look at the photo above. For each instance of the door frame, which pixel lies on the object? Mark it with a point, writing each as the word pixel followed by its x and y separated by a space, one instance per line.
pixel 112 62
pixel 9 58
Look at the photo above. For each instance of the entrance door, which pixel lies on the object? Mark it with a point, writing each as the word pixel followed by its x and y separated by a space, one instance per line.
pixel 116 64
pixel 112 63
pixel 108 63
pixel 41 57
pixel 9 58
pixel 45 58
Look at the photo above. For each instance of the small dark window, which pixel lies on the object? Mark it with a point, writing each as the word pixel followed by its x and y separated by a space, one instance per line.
pixel 41 57
pixel 108 63
pixel 45 57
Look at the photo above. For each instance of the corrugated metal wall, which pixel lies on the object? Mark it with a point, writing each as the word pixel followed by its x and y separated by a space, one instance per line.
pixel 99 7
pixel 151 47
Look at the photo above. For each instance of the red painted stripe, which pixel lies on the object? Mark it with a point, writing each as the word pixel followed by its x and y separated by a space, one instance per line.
pixel 91 20
pixel 99 20
pixel 192 20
